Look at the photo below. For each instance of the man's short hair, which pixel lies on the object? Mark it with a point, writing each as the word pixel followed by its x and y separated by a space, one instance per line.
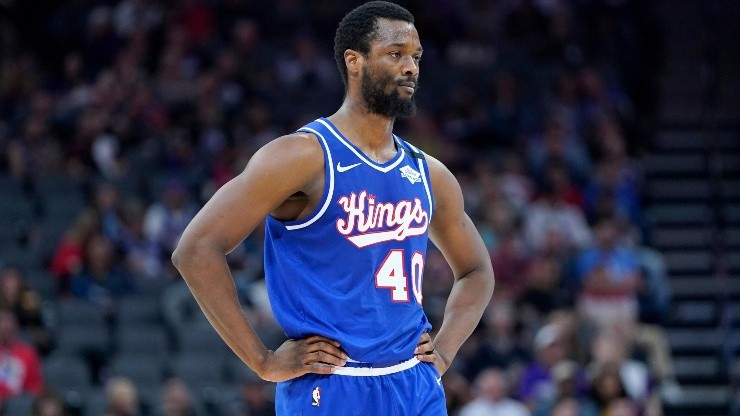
pixel 359 27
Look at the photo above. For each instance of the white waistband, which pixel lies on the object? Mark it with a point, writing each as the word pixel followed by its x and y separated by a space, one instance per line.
pixel 372 372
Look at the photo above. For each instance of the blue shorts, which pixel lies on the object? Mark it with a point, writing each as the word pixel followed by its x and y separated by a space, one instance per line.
pixel 412 391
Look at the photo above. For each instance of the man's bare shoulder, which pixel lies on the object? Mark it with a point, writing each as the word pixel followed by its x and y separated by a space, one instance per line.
pixel 295 145
pixel 297 153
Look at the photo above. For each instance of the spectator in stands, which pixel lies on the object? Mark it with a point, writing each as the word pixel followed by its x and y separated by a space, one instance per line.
pixel 569 383
pixel 102 280
pixel 177 400
pixel 510 259
pixel 499 346
pixel 122 398
pixel 48 404
pixel 165 221
pixel 141 256
pixel 607 387
pixel 610 276
pixel 26 304
pixel 616 185
pixel 610 350
pixel 492 397
pixel 108 208
pixel 19 361
pixel 537 383
pixel 543 291
pixel 253 399
pixel 558 142
pixel 551 216
pixel 69 256
pixel 566 406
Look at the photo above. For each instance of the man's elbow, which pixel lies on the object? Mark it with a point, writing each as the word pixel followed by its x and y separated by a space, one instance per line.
pixel 180 255
pixel 177 256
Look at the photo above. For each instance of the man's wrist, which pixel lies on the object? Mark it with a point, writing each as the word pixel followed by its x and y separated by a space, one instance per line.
pixel 261 366
pixel 446 359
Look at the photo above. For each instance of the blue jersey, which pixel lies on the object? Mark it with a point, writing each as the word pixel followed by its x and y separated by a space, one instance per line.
pixel 352 269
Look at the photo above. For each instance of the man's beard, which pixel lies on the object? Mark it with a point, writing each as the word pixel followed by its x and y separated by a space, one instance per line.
pixel 390 105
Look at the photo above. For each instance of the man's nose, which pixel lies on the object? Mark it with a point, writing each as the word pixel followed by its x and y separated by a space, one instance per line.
pixel 410 66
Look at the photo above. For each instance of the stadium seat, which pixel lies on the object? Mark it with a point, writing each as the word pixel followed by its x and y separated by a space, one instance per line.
pixel 198 370
pixel 19 405
pixel 79 312
pixel 148 339
pixel 138 310
pixel 63 373
pixel 144 370
pixel 83 339
pixel 95 402
pixel 200 338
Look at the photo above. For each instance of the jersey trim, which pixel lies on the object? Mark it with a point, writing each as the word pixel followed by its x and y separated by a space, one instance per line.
pixel 420 158
pixel 329 194
pixel 376 371
pixel 359 154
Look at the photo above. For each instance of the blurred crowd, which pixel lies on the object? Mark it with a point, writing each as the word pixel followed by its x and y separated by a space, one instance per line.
pixel 119 119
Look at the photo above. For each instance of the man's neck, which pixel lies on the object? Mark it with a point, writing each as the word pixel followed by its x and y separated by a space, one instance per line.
pixel 366 130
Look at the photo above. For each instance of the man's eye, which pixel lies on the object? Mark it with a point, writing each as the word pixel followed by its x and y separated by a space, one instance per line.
pixel 417 58
pixel 396 54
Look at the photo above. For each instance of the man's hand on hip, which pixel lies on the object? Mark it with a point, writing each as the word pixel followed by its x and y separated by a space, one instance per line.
pixel 296 357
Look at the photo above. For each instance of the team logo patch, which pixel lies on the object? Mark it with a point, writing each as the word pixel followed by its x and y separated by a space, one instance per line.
pixel 409 173
pixel 370 222
pixel 316 397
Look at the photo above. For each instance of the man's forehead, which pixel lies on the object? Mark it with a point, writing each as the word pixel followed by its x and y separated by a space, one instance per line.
pixel 394 32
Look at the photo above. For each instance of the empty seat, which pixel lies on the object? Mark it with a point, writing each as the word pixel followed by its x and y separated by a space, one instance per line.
pixel 56 185
pixel 65 206
pixel 690 368
pixel 685 189
pixel 63 373
pixel 75 311
pixel 680 237
pixel 694 287
pixel 198 370
pixel 702 313
pixel 95 402
pixel 731 213
pixel 688 262
pixel 674 164
pixel 19 405
pixel 142 369
pixel 138 310
pixel 201 338
pixel 237 371
pixel 21 257
pixel 43 282
pixel 676 213
pixel 731 190
pixel 82 339
pixel 142 339
pixel 696 340
pixel 10 186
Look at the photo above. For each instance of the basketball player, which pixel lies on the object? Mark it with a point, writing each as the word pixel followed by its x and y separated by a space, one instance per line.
pixel 349 209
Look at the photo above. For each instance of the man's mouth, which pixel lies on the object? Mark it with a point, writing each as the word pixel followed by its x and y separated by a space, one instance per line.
pixel 408 86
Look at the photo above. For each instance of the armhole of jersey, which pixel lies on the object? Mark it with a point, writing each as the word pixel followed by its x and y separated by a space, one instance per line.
pixel 328 186
pixel 421 162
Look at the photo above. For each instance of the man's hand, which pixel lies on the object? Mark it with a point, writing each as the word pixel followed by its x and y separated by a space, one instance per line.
pixel 296 357
pixel 426 352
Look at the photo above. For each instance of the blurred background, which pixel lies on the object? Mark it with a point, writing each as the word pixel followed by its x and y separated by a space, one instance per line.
pixel 596 142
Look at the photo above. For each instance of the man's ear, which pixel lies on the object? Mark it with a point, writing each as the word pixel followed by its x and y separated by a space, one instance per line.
pixel 354 61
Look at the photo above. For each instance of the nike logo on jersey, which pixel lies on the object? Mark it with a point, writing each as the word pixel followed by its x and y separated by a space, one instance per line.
pixel 341 168
pixel 369 222
pixel 439 380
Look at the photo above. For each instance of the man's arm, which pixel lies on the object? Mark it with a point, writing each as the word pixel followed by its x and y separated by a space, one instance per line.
pixel 452 231
pixel 282 168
